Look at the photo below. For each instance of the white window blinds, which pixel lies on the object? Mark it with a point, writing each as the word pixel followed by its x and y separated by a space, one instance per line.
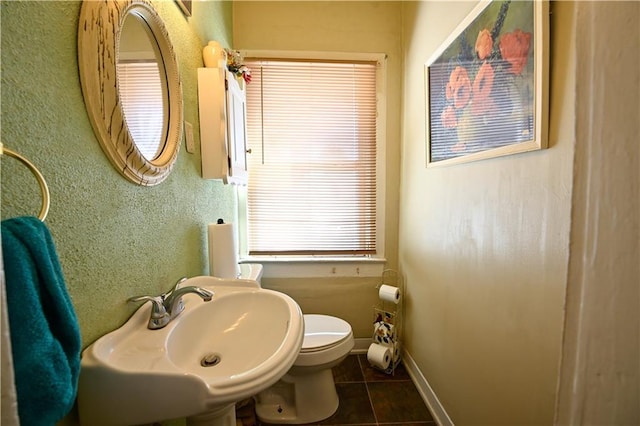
pixel 311 128
pixel 140 89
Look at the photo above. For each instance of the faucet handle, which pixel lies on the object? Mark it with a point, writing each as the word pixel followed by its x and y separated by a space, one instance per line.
pixel 159 315
pixel 167 298
pixel 175 286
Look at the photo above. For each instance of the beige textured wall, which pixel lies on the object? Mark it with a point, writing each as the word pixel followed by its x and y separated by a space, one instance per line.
pixel 600 376
pixel 484 246
pixel 363 26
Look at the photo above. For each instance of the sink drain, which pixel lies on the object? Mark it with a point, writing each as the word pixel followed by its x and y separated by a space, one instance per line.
pixel 210 360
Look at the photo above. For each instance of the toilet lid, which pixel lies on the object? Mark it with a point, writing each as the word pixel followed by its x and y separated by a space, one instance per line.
pixel 321 331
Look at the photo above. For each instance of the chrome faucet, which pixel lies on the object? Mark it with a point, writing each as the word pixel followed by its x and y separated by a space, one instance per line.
pixel 169 305
pixel 173 300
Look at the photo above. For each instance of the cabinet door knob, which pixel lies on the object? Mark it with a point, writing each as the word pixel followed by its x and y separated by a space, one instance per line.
pixel 248 151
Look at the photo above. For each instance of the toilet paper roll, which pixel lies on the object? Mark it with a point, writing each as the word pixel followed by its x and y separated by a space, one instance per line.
pixel 223 253
pixel 389 293
pixel 395 353
pixel 379 356
pixel 384 333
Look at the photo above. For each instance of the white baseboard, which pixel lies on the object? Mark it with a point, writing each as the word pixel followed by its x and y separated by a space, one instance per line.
pixel 361 345
pixel 437 410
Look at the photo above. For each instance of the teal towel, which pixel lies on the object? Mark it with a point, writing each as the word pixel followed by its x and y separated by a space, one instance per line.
pixel 45 337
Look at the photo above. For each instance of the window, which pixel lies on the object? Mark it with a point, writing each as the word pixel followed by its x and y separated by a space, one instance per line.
pixel 313 128
pixel 143 104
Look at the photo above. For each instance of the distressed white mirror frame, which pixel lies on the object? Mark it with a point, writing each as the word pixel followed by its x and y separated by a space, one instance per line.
pixel 98 39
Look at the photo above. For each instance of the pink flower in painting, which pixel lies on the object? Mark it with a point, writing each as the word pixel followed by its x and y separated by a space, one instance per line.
pixel 482 102
pixel 484 44
pixel 448 117
pixel 514 48
pixel 459 87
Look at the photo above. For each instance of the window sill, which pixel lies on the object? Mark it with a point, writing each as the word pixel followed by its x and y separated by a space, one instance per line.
pixel 316 267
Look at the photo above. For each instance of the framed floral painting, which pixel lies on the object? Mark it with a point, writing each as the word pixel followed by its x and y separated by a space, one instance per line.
pixel 487 84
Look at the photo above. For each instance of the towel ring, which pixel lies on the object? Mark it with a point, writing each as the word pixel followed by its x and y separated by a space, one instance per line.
pixel 43 183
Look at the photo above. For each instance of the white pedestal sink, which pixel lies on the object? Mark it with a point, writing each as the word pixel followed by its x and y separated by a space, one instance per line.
pixel 211 356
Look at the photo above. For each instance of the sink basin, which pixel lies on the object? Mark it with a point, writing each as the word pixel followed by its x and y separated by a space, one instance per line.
pixel 209 357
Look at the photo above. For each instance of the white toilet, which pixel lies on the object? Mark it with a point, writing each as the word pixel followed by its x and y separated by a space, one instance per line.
pixel 307 393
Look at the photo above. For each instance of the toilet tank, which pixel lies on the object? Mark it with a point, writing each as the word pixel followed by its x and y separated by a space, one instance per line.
pixel 251 271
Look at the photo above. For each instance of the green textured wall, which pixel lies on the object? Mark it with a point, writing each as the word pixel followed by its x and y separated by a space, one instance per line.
pixel 115 239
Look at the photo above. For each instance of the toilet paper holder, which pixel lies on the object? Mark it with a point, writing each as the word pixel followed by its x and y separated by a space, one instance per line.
pixel 387 319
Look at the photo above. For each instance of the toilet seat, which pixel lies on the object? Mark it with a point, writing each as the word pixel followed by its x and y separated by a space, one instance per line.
pixel 327 339
pixel 323 331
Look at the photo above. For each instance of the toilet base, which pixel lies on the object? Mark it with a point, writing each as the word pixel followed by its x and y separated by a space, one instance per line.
pixel 299 399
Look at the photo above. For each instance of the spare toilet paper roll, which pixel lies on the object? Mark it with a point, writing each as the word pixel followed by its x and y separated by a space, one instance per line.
pixel 389 293
pixel 379 356
pixel 384 333
pixel 223 253
pixel 395 352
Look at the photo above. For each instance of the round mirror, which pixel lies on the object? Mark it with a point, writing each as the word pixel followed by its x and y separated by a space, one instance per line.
pixel 142 86
pixel 131 86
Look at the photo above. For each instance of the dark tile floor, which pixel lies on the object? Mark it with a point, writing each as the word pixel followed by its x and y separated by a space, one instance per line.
pixel 371 397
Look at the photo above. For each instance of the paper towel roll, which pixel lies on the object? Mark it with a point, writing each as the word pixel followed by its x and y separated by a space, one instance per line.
pixel 379 356
pixel 389 293
pixel 223 254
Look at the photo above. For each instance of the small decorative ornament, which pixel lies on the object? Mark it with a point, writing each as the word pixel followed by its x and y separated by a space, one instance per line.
pixel 235 65
pixel 213 55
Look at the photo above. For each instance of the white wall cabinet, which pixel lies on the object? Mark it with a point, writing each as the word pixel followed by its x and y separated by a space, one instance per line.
pixel 223 137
